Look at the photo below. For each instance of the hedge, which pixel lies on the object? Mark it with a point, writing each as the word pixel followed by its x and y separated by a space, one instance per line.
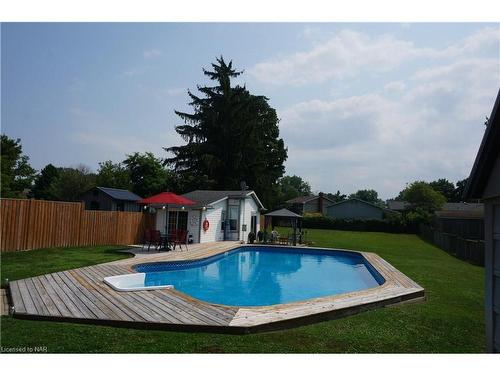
pixel 322 222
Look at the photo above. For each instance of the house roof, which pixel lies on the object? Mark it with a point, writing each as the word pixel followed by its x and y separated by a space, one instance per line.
pixel 207 197
pixel 302 199
pixel 397 205
pixel 307 198
pixel 449 206
pixel 119 194
pixel 479 214
pixel 486 156
pixel 282 213
pixel 362 201
pixel 463 206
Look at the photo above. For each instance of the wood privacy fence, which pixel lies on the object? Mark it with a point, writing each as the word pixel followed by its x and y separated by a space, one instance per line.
pixel 471 250
pixel 32 224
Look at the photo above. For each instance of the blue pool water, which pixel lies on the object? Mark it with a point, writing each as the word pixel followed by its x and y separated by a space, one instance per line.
pixel 259 276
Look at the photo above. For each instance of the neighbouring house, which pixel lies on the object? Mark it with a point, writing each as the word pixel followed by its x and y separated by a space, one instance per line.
pixel 465 220
pixel 449 208
pixel 356 209
pixel 484 184
pixel 310 204
pixel 396 205
pixel 462 219
pixel 218 215
pixel 110 199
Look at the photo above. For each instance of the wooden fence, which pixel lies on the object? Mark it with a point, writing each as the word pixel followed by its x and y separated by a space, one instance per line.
pixel 27 224
pixel 471 250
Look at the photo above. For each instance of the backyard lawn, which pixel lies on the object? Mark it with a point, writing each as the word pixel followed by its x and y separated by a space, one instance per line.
pixel 451 320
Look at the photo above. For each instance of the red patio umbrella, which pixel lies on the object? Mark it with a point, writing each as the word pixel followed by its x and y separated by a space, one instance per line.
pixel 167 198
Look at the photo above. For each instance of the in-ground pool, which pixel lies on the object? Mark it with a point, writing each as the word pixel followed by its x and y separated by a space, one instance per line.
pixel 260 276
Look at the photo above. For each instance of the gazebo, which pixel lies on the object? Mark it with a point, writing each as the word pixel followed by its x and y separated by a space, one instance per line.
pixel 285 214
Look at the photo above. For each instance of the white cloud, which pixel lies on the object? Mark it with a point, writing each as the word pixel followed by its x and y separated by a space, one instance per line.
pixel 395 86
pixel 348 53
pixel 133 72
pixel 107 140
pixel 381 141
pixel 152 53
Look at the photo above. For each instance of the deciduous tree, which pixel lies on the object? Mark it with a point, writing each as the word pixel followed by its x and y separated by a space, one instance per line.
pixel 367 195
pixel 148 176
pixel 114 175
pixel 17 174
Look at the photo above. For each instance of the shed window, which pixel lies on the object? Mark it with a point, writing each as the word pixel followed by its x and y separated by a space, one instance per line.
pixel 223 221
pixel 233 218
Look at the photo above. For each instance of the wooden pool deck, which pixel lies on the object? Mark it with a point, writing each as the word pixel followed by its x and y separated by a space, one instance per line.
pixel 80 295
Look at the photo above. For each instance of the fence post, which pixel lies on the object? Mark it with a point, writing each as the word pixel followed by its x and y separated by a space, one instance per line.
pixel 80 223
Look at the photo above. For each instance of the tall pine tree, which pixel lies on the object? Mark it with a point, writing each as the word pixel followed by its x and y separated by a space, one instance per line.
pixel 232 136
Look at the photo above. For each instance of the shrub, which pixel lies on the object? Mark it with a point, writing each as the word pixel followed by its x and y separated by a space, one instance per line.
pixel 390 225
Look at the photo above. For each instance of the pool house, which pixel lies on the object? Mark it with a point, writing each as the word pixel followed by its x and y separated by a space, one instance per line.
pixel 217 215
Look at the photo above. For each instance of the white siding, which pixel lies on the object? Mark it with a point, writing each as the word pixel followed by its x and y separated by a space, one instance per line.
pixel 248 207
pixel 194 224
pixel 160 220
pixel 214 217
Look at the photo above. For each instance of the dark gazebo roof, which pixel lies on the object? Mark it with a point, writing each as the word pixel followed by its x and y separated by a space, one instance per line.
pixel 282 213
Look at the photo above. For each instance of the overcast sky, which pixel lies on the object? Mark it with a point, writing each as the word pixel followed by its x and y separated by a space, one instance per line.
pixel 361 105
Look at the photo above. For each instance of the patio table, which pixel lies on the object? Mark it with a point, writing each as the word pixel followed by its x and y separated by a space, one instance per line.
pixel 166 239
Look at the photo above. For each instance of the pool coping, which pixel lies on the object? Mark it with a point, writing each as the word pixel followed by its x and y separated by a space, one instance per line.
pixel 397 288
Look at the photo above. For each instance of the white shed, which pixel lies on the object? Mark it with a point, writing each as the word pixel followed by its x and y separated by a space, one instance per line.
pixel 218 215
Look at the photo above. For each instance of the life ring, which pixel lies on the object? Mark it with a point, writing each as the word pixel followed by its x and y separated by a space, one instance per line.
pixel 206 225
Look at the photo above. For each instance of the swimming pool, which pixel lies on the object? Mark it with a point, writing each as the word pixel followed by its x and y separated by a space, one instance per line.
pixel 260 276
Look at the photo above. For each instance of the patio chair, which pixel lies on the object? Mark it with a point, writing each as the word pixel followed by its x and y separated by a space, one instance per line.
pixel 181 239
pixel 156 240
pixel 147 239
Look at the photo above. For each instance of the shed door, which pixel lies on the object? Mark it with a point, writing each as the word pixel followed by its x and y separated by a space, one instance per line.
pixel 233 221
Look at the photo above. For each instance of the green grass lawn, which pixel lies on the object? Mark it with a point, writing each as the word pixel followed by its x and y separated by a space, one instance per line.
pixel 22 264
pixel 451 320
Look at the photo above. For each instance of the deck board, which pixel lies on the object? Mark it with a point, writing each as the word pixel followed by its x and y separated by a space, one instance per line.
pixel 16 296
pixel 50 306
pixel 54 296
pixel 4 302
pixel 76 298
pixel 117 301
pixel 26 297
pixel 81 294
pixel 70 304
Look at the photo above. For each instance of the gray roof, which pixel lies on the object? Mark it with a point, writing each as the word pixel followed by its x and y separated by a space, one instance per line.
pixel 463 206
pixel 449 206
pixel 120 194
pixel 364 202
pixel 307 198
pixel 479 214
pixel 282 213
pixel 207 197
pixel 397 205
pixel 487 155
pixel 302 199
